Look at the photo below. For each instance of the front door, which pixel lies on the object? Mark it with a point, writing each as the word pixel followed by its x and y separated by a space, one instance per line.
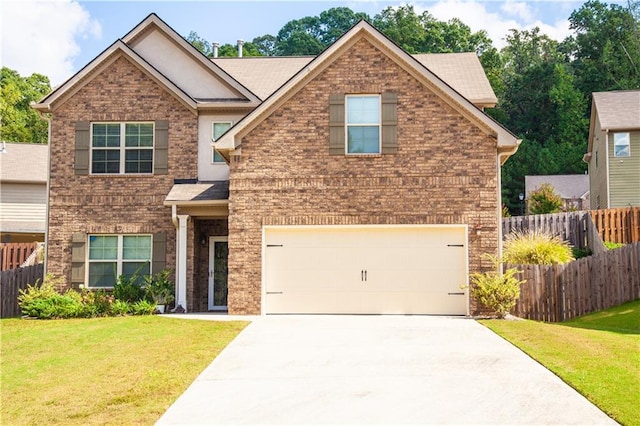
pixel 218 255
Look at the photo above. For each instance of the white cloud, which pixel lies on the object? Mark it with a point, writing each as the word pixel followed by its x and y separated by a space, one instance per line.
pixel 40 36
pixel 510 15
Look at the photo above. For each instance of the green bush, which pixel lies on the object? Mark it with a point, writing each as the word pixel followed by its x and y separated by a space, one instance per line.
pixel 579 253
pixel 544 200
pixel 535 248
pixel 612 246
pixel 129 289
pixel 44 301
pixel 120 308
pixel 143 307
pixel 497 291
pixel 159 288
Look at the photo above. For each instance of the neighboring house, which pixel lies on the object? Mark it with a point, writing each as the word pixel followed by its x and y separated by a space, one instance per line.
pixel 613 154
pixel 573 189
pixel 23 192
pixel 359 181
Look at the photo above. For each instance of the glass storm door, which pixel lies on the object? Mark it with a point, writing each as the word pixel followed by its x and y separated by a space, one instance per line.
pixel 218 255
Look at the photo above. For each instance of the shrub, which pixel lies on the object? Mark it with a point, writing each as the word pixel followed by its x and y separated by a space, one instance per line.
pixel 120 308
pixel 535 248
pixel 128 289
pixel 544 200
pixel 497 291
pixel 159 288
pixel 579 253
pixel 44 301
pixel 97 303
pixel 611 246
pixel 143 307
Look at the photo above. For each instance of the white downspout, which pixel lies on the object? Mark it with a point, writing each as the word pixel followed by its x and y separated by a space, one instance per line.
pixel 180 223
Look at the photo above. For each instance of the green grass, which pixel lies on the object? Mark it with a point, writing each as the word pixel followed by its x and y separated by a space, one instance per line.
pixel 598 355
pixel 123 370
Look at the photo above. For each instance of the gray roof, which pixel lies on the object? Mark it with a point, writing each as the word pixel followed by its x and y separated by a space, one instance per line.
pixel 567 186
pixel 264 75
pixel 198 192
pixel 24 162
pixel 618 110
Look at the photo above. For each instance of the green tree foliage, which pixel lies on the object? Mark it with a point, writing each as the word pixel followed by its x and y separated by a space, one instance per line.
pixel 226 50
pixel 544 200
pixel 605 48
pixel 20 122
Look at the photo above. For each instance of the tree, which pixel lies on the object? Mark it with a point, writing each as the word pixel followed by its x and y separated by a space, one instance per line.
pixel 266 44
pixel 20 122
pixel 544 200
pixel 201 44
pixel 605 47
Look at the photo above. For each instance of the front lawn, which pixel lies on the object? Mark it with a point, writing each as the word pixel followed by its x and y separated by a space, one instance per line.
pixel 598 355
pixel 122 370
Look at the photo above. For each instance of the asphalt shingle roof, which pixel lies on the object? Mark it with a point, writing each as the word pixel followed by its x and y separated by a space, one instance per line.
pixel 618 110
pixel 24 162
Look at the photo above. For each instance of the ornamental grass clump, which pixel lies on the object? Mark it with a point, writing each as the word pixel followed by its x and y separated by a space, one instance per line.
pixel 535 248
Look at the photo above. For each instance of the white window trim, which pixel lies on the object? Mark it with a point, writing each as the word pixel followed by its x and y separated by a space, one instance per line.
pixel 119 256
pixel 628 144
pixel 347 125
pixel 213 150
pixel 123 148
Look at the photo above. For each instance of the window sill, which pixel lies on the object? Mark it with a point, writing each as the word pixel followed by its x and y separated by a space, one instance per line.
pixel 376 155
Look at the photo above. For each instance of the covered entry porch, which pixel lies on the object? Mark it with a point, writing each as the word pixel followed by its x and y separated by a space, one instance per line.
pixel 199 212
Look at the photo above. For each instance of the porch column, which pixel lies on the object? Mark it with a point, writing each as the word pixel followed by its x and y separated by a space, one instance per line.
pixel 181 262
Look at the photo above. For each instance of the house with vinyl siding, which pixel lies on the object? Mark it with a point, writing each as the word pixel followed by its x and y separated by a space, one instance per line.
pixel 613 153
pixel 363 180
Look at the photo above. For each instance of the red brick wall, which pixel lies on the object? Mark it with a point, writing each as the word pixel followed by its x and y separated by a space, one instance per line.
pixel 443 173
pixel 116 204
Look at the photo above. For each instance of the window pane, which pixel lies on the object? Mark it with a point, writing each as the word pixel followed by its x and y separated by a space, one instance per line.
pixel 139 134
pixel 136 247
pixel 103 247
pixel 363 140
pixel 138 161
pixel 106 135
pixel 140 269
pixel 363 109
pixel 220 128
pixel 105 161
pixel 102 274
pixel 621 145
pixel 217 158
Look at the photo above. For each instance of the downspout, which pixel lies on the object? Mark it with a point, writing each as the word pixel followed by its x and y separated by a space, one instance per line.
pixel 502 155
pixel 606 156
pixel 46 222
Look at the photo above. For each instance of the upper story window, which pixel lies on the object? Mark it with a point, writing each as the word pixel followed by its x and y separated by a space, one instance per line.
pixel 218 128
pixel 122 148
pixel 363 124
pixel 621 145
pixel 113 255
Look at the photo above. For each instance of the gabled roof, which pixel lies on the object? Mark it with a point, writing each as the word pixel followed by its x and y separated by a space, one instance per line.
pixel 462 71
pixel 24 163
pixel 566 186
pixel 107 57
pixel 126 47
pixel 232 139
pixel 618 110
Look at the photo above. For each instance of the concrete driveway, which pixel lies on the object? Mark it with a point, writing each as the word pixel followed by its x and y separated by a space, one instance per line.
pixel 376 370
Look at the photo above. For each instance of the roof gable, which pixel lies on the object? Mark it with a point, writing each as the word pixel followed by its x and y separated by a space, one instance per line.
pixel 100 63
pixel 618 110
pixel 506 141
pixel 196 74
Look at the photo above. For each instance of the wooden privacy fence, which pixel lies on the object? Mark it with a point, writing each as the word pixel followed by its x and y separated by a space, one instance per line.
pixel 574 227
pixel 12 255
pixel 557 293
pixel 13 280
pixel 618 225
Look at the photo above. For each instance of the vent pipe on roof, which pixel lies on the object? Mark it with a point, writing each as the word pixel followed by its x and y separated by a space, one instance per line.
pixel 215 49
pixel 240 44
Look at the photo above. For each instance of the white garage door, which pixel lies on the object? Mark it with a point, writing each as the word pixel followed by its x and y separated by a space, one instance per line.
pixel 365 270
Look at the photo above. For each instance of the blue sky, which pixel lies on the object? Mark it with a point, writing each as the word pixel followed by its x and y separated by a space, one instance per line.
pixel 58 37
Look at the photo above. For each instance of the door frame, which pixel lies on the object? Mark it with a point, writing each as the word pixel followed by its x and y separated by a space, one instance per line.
pixel 212 246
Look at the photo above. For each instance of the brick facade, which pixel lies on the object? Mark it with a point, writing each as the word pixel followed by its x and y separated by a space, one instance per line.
pixel 116 204
pixel 445 170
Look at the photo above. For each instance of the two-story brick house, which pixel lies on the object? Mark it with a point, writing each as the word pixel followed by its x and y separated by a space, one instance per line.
pixel 364 180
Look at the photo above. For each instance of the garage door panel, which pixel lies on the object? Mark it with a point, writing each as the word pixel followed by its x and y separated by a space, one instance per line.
pixel 365 270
